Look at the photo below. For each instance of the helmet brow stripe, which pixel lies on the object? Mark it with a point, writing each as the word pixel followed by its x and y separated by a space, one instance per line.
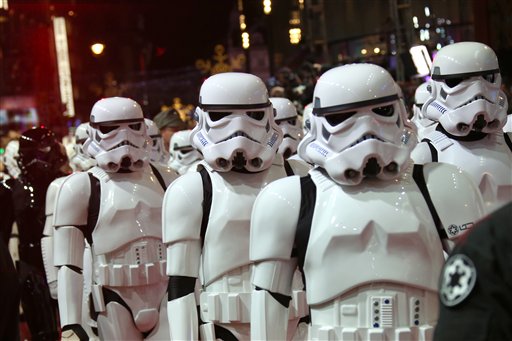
pixel 348 106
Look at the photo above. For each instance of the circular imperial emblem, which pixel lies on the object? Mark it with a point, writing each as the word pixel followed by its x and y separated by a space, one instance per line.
pixel 457 280
pixel 453 229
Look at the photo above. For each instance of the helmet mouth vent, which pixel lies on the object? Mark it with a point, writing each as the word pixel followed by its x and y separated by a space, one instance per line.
pixel 480 123
pixel 256 162
pixel 126 162
pixel 222 163
pixel 351 174
pixel 372 168
pixel 391 168
pixel 462 127
pixel 239 161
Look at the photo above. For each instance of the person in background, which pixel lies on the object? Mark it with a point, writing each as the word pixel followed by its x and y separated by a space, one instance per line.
pixel 168 122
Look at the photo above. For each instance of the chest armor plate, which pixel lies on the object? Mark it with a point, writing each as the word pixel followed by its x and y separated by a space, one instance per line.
pixel 488 162
pixel 370 233
pixel 130 209
pixel 226 245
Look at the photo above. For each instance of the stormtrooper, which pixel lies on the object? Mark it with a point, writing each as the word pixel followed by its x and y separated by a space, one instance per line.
pixel 287 119
pixel 206 214
pixel 41 159
pixel 184 158
pixel 80 160
pixel 424 125
pixel 115 207
pixel 157 155
pixel 366 227
pixel 470 110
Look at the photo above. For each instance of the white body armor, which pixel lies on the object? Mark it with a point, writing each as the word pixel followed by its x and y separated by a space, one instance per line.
pixel 373 256
pixel 223 265
pixel 127 250
pixel 488 161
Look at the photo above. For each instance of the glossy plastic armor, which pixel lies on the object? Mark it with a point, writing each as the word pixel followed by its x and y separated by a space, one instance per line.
pixel 118 143
pixel 370 252
pixel 209 238
pixel 41 160
pixel 119 214
pixel 470 136
pixel 359 130
pixel 465 91
pixel 393 256
pixel 287 119
pixel 184 158
pixel 306 114
pixel 158 153
pixel 423 124
pixel 10 158
pixel 236 130
pixel 81 161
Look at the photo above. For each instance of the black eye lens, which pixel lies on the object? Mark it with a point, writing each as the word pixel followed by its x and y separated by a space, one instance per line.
pixel 216 115
pixel 453 81
pixel 292 122
pixel 107 129
pixel 387 110
pixel 135 126
pixel 335 119
pixel 490 77
pixel 257 115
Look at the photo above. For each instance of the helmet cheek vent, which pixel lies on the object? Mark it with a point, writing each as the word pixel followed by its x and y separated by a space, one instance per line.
pixel 325 134
pixel 443 94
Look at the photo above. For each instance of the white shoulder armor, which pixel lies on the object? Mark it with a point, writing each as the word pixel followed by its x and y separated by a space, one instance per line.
pixel 168 174
pixel 182 209
pixel 51 196
pixel 274 219
pixel 457 200
pixel 299 166
pixel 71 206
pixel 421 154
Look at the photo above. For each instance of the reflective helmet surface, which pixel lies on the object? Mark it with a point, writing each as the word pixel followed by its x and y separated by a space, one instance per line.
pixel 118 138
pixel 306 114
pixel 11 158
pixel 81 161
pixel 357 125
pixel 182 152
pixel 157 153
pixel 421 95
pixel 236 128
pixel 465 90
pixel 287 119
pixel 41 156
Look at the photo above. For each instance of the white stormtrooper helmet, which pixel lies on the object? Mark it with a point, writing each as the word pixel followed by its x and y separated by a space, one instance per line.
pixel 157 151
pixel 465 93
pixel 182 152
pixel 287 119
pixel 117 135
pixel 306 114
pixel 357 125
pixel 236 128
pixel 81 161
pixel 11 158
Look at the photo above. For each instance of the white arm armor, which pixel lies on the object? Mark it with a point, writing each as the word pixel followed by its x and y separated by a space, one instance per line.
pixel 72 203
pixel 181 214
pixel 273 225
pixel 47 240
pixel 183 326
pixel 456 198
pixel 421 154
pixel 266 314
pixel 70 296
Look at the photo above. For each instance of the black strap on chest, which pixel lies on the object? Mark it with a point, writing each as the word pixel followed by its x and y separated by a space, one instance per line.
pixel 433 150
pixel 419 178
pixel 158 177
pixel 307 209
pixel 288 168
pixel 207 201
pixel 94 208
pixel 508 141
